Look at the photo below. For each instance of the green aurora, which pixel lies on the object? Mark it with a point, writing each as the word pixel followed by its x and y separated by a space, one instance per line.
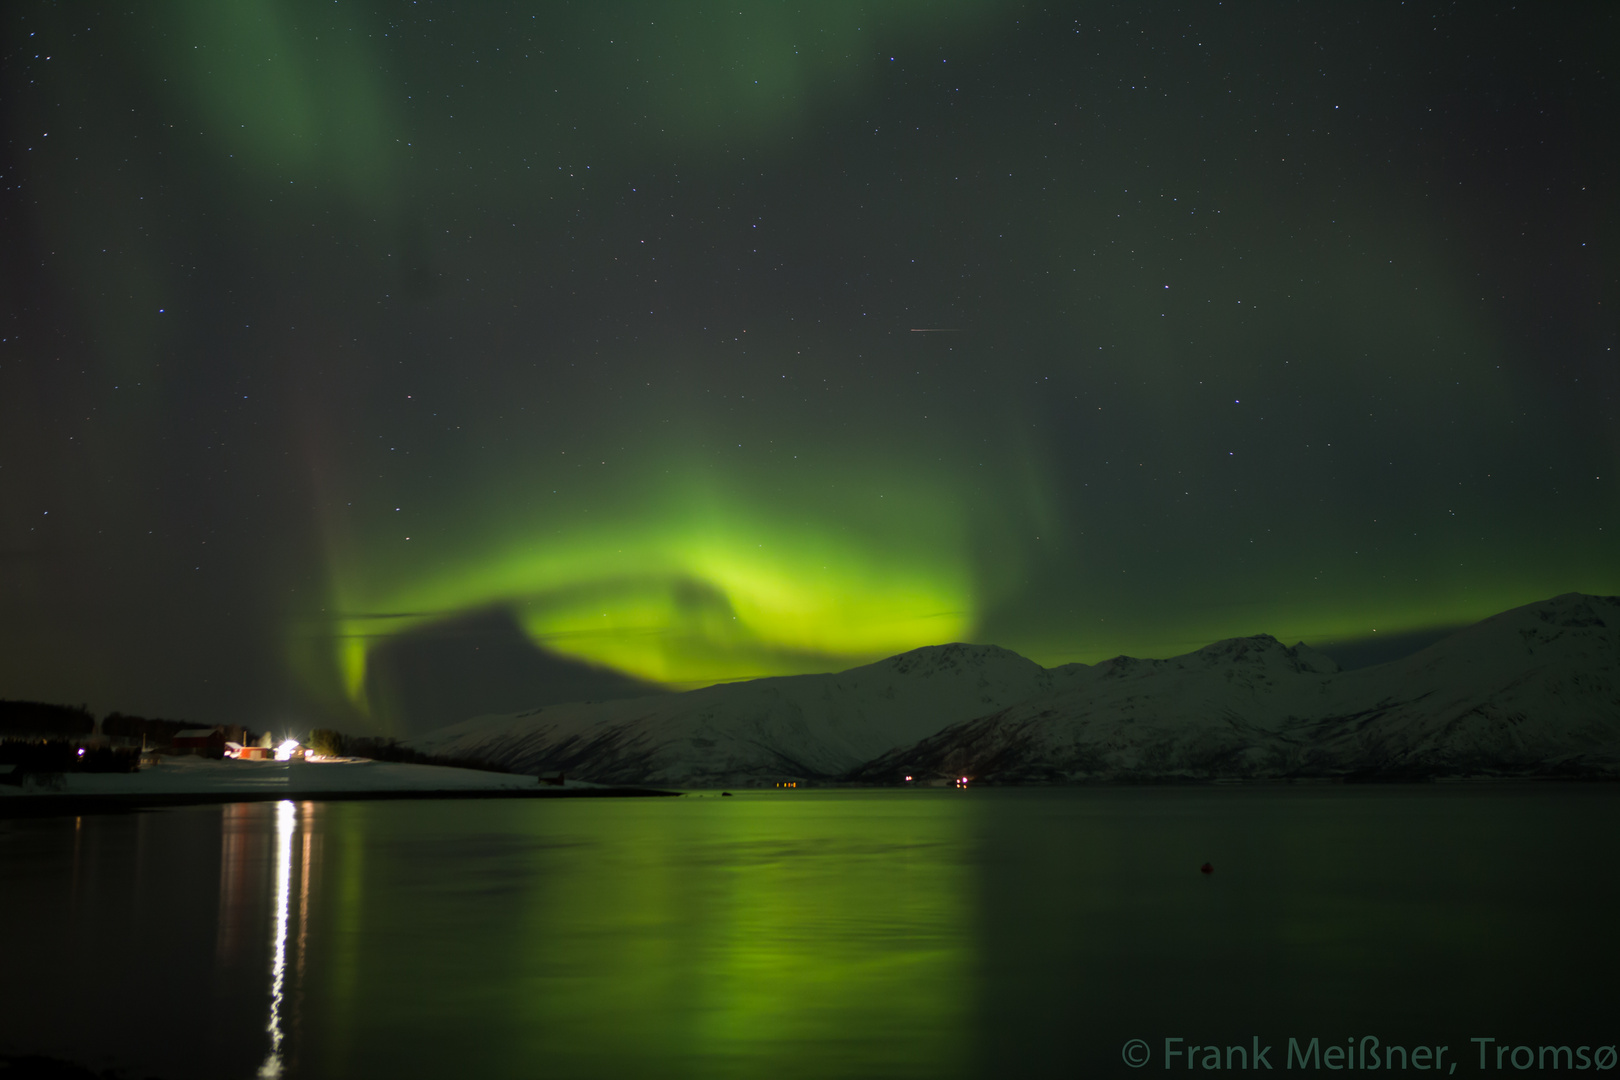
pixel 719 344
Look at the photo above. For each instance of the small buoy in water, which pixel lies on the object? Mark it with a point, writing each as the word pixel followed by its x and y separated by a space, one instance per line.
pixel 1207 868
pixel 727 794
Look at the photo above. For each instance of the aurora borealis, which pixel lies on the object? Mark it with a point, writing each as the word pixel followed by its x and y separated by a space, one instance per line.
pixel 710 343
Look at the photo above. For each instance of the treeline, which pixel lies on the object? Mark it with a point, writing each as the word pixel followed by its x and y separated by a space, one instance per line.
pixel 60 756
pixel 42 720
pixel 38 719
pixel 329 743
pixel 159 733
pixel 154 730
pixel 41 739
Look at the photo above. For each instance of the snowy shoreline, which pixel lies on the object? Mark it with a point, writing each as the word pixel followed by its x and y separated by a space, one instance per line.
pixel 182 781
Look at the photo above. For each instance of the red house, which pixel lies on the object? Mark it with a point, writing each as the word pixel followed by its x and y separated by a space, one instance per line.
pixel 204 742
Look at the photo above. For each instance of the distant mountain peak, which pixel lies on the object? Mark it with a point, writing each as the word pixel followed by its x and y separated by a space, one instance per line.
pixel 1262 649
pixel 1544 620
pixel 1531 691
pixel 1238 647
pixel 1578 609
pixel 1583 609
pixel 1309 659
pixel 955 656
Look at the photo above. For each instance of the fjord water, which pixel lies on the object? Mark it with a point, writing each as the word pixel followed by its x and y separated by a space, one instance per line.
pixel 810 933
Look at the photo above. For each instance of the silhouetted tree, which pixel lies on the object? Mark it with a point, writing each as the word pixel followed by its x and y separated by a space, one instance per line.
pixel 37 719
pixel 326 742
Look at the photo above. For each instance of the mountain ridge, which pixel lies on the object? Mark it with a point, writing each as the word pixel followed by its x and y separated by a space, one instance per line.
pixel 1530 691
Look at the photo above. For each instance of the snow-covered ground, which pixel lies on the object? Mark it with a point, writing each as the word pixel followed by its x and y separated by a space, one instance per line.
pixel 268 779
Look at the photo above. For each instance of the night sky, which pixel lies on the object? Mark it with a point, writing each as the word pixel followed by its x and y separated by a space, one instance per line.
pixel 697 342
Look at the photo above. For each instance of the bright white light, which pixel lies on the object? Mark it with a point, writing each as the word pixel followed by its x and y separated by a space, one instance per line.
pixel 286 822
pixel 284 752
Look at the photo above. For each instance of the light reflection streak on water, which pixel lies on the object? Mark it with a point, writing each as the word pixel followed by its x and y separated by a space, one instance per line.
pixel 303 891
pixel 286 822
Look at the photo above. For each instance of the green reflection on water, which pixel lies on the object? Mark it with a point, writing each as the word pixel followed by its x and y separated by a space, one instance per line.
pixel 349 854
pixel 797 934
pixel 991 933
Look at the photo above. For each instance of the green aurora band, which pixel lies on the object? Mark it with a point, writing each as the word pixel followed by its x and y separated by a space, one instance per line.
pixel 608 319
pixel 697 593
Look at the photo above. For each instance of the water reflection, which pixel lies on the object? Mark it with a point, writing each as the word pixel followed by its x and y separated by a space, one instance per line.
pixel 286 823
pixel 801 934
pixel 242 859
pixel 773 934
pixel 309 836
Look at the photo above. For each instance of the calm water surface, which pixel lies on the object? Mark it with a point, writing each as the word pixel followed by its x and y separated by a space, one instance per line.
pixel 937 933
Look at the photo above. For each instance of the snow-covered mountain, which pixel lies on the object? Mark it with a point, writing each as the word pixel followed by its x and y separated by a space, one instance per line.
pixel 1532 691
pixel 799 727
